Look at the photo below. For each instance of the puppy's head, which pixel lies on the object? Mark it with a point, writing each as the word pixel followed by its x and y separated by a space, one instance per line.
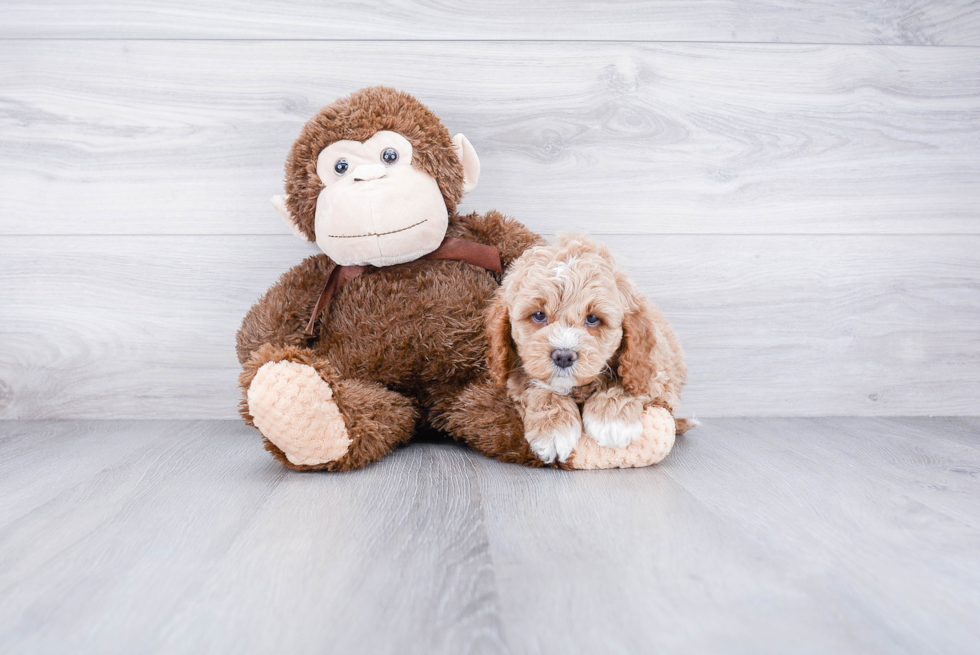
pixel 564 313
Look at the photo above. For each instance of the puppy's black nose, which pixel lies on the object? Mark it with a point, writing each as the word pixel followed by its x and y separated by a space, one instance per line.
pixel 563 358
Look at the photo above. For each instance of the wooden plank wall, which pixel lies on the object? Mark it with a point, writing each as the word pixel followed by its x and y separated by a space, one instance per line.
pixel 796 183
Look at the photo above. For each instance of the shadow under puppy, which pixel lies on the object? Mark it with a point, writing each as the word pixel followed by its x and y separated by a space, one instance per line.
pixel 578 346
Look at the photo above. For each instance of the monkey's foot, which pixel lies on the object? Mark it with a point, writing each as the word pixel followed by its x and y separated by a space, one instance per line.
pixel 649 448
pixel 294 408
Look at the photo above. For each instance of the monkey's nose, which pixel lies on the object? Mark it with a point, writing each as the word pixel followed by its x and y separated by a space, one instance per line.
pixel 366 172
pixel 563 358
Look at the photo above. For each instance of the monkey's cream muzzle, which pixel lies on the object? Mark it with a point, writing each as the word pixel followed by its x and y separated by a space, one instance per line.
pixel 379 210
pixel 367 172
pixel 381 216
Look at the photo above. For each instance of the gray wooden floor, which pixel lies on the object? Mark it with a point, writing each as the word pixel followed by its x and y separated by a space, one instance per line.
pixel 755 535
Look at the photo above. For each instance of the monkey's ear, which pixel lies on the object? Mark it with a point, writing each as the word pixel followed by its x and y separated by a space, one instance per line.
pixel 471 163
pixel 279 202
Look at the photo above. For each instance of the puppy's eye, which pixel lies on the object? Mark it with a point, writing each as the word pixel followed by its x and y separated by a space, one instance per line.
pixel 389 156
pixel 592 320
pixel 341 166
pixel 539 317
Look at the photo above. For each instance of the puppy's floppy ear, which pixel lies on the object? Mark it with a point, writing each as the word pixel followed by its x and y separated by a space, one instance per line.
pixel 636 366
pixel 501 356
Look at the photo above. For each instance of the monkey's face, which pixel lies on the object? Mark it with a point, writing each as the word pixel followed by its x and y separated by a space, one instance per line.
pixel 375 207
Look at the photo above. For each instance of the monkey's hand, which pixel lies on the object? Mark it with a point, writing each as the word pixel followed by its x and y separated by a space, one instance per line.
pixel 652 446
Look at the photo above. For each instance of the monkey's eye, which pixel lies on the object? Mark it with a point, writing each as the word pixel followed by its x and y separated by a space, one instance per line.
pixel 389 156
pixel 340 167
pixel 539 317
pixel 592 320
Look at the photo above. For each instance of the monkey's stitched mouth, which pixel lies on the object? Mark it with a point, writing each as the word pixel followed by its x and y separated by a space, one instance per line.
pixel 376 234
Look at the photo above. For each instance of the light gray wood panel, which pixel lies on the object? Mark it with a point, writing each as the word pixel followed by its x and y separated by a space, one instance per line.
pixel 30 447
pixel 143 327
pixel 819 325
pixel 864 505
pixel 763 535
pixel 141 137
pixel 963 436
pixel 917 22
pixel 200 542
pixel 755 535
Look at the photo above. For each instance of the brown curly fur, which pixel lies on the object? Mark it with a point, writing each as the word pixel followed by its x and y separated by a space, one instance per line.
pixel 629 360
pixel 356 118
pixel 399 344
pixel 642 348
pixel 414 331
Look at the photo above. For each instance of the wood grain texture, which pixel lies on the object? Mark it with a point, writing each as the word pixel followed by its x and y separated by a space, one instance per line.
pixel 130 327
pixel 190 538
pixel 755 535
pixel 141 137
pixel 762 535
pixel 917 22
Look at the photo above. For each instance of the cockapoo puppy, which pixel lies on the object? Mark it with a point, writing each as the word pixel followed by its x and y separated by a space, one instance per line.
pixel 578 346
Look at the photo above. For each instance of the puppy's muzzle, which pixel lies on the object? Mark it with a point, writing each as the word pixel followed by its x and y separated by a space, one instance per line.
pixel 563 357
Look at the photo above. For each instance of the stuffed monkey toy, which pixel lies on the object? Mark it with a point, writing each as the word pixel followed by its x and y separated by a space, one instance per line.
pixel 353 350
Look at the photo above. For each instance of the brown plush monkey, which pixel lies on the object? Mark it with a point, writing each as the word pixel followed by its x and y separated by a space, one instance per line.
pixel 343 363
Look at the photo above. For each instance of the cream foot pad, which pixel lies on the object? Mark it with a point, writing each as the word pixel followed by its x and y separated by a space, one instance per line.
pixel 294 409
pixel 651 447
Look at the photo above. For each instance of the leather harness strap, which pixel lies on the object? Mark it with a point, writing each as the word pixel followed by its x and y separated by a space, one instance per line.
pixel 460 250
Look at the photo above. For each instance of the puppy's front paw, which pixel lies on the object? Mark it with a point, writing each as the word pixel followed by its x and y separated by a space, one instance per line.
pixel 545 450
pixel 614 433
pixel 559 443
pixel 565 441
pixel 613 419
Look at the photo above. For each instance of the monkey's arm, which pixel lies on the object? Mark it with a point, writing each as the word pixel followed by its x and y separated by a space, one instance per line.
pixel 507 235
pixel 280 316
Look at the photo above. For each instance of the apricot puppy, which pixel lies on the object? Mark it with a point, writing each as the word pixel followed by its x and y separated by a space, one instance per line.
pixel 578 346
